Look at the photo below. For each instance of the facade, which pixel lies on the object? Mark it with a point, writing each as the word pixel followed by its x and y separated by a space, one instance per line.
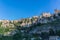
pixel 26 24
pixel 42 20
pixel 46 14
pixel 35 16
pixel 54 38
pixel 57 11
pixel 23 24
pixel 14 21
pixel 7 24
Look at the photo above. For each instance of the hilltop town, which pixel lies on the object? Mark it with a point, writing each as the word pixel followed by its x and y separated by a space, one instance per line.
pixel 32 26
pixel 43 18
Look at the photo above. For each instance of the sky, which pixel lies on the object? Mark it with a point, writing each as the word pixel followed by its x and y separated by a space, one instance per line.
pixel 17 9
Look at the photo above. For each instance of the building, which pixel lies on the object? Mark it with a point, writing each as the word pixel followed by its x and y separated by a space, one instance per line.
pixel 7 24
pixel 5 21
pixel 42 20
pixel 35 16
pixel 54 38
pixel 46 14
pixel 57 11
pixel 14 21
pixel 23 24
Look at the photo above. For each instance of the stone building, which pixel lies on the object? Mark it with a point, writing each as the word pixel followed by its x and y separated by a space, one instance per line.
pixel 46 14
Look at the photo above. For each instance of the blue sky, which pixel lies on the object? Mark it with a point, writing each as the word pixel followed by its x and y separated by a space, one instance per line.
pixel 17 9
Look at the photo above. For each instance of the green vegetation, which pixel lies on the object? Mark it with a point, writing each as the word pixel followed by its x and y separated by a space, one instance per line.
pixel 0 24
pixel 58 32
pixel 2 30
pixel 21 35
pixel 6 38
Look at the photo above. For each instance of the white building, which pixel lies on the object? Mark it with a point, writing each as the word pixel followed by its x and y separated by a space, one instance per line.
pixel 46 14
pixel 43 18
pixel 54 38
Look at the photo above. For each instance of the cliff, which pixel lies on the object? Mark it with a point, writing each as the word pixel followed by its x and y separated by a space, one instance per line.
pixel 35 24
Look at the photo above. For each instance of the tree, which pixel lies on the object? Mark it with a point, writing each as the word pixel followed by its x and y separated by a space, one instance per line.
pixel 58 32
pixel 51 32
pixel 18 36
pixel 58 14
pixel 54 16
pixel 44 35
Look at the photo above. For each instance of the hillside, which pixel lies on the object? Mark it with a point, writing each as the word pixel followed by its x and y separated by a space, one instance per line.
pixel 31 27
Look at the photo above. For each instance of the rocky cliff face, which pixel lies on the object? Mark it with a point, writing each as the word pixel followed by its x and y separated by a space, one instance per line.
pixel 35 24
